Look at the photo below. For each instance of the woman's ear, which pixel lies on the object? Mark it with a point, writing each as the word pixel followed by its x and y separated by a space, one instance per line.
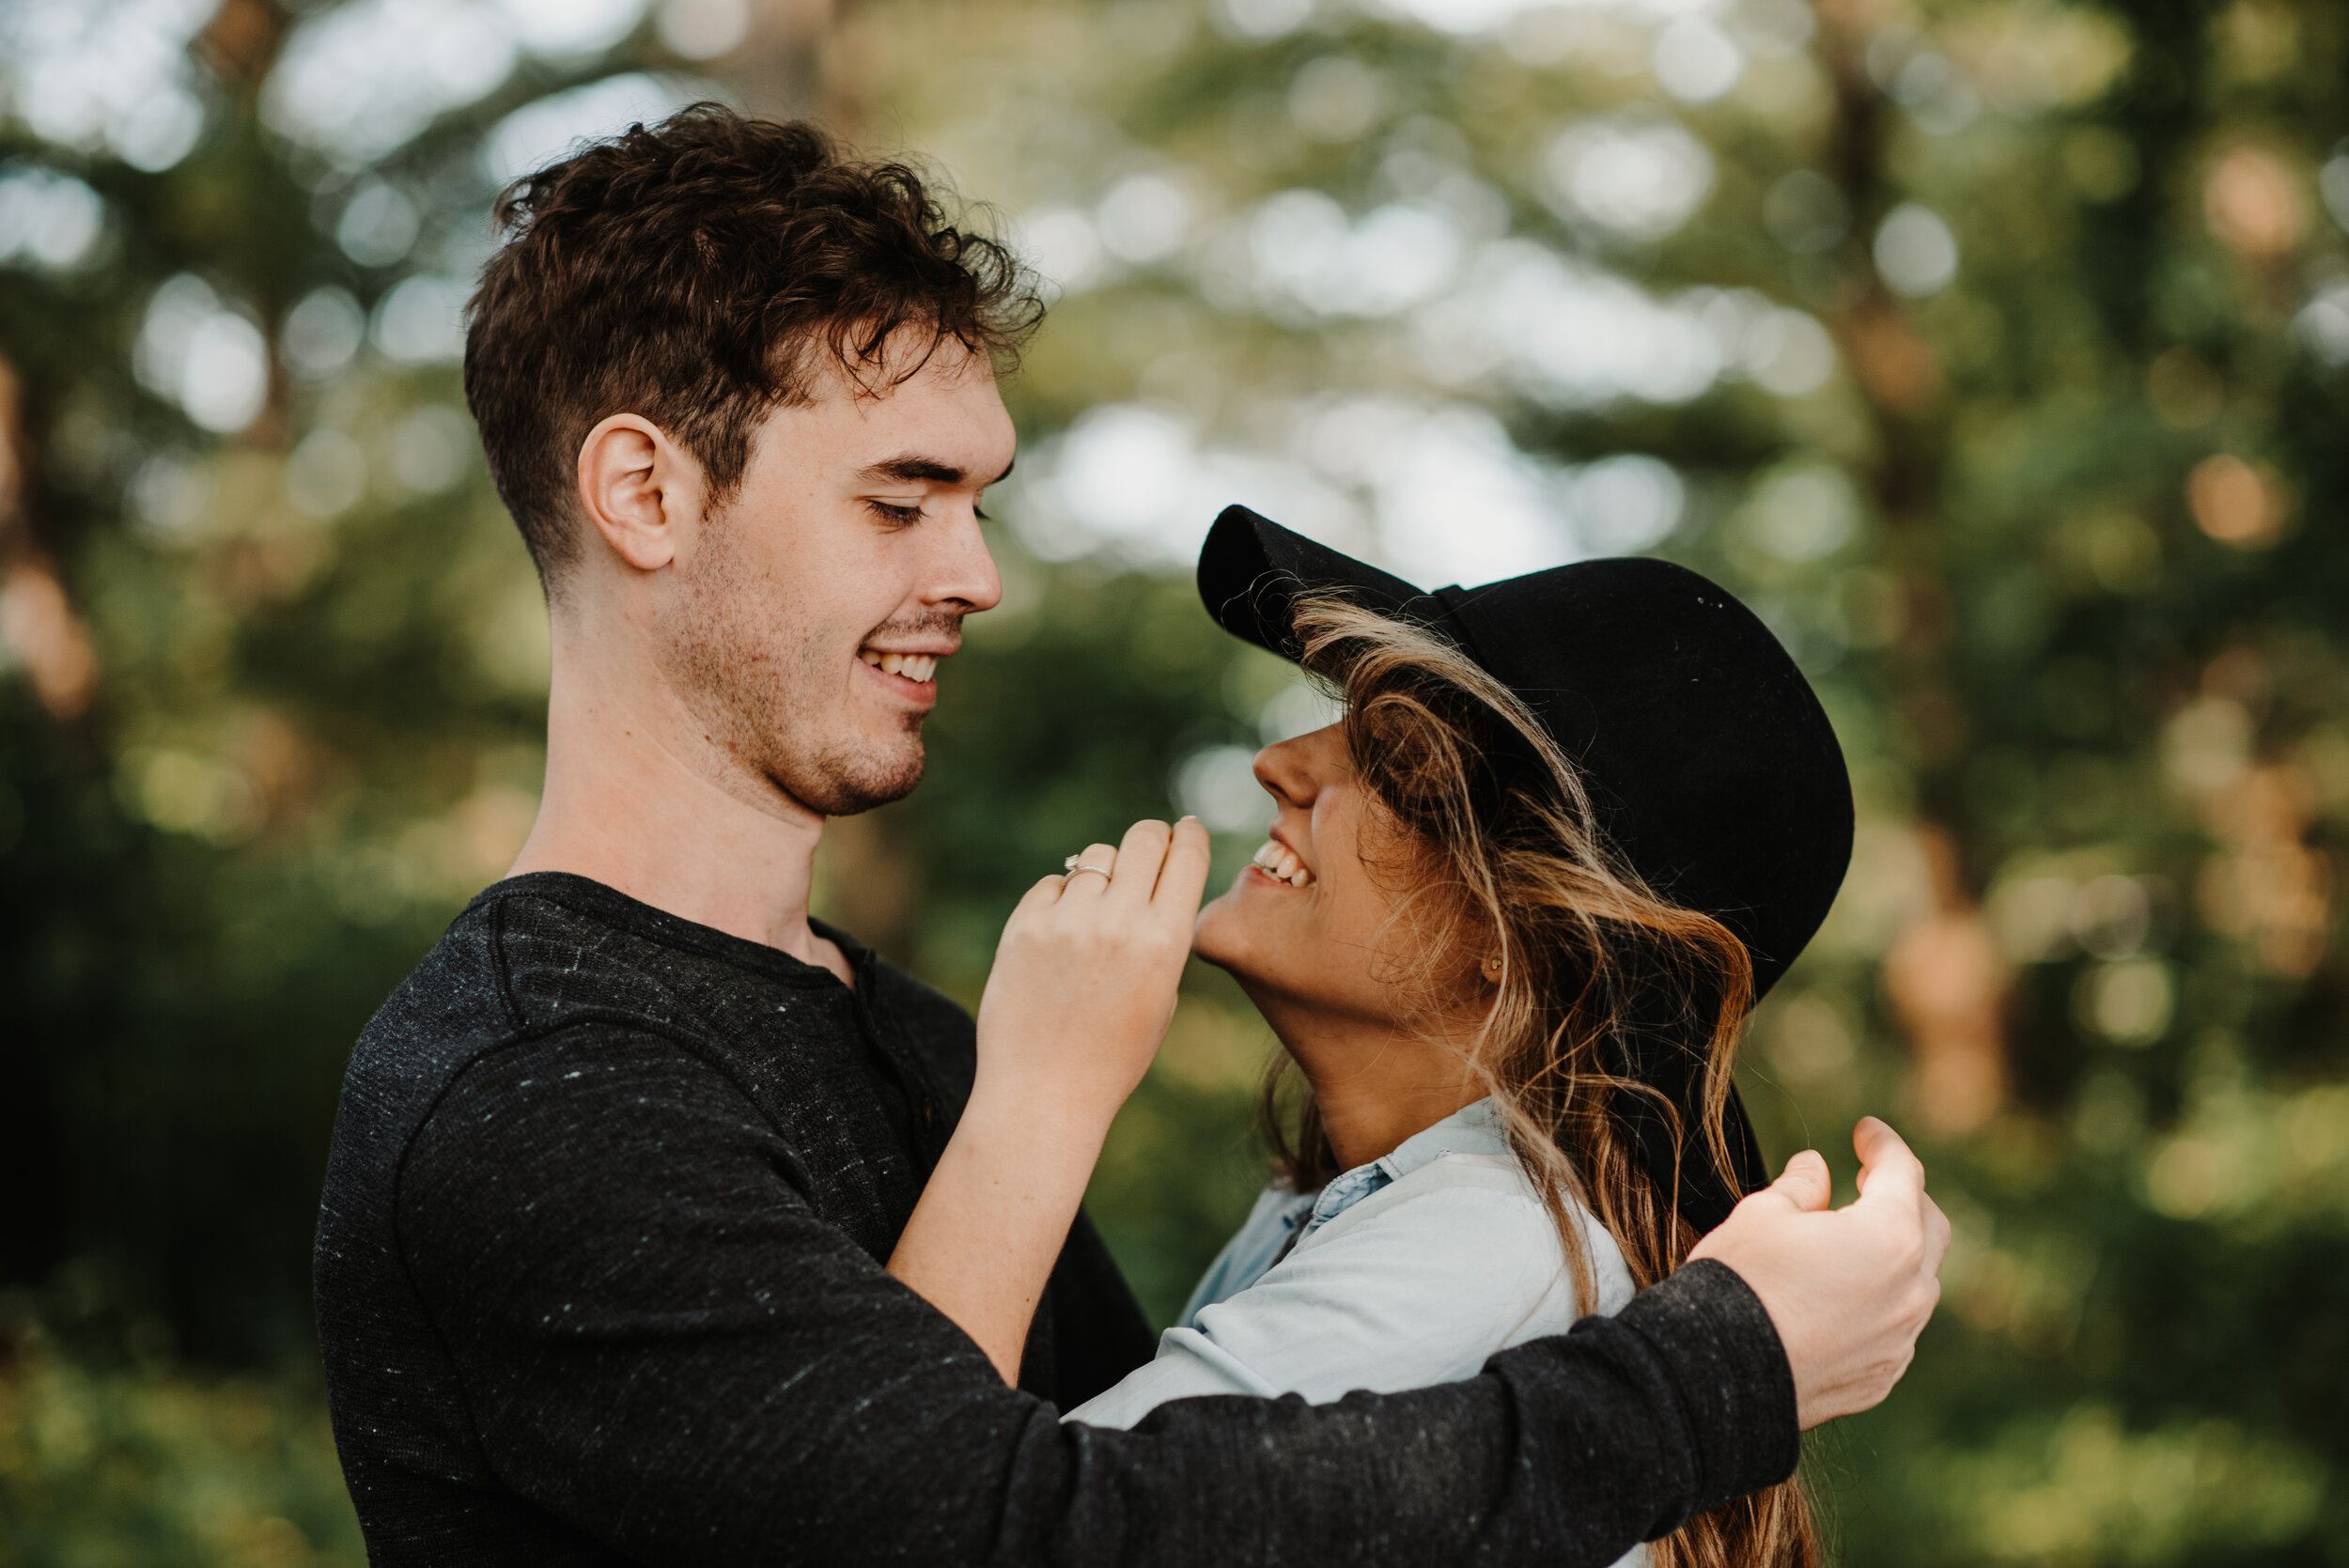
pixel 636 487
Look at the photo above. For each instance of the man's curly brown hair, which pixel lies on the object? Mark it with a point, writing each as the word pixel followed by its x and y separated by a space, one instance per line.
pixel 700 274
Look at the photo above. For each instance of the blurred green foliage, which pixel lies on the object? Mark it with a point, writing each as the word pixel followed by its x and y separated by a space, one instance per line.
pixel 108 1459
pixel 1993 347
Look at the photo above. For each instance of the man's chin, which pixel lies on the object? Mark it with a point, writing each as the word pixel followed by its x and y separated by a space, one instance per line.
pixel 846 785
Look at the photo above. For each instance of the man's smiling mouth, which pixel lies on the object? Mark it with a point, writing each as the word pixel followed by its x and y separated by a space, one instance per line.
pixel 917 667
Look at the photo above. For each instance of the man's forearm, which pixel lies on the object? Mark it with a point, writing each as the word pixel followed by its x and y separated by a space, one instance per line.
pixel 1716 1349
pixel 1565 1451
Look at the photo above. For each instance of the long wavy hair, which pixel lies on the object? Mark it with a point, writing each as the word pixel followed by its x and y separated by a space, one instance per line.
pixel 1489 860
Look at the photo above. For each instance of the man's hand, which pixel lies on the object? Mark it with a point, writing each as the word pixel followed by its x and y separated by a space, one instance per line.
pixel 1849 1290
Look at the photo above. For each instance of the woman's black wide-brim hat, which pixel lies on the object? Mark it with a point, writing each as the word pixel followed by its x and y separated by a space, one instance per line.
pixel 1708 760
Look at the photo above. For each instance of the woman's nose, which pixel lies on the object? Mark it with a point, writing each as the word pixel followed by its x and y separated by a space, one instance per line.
pixel 1285 769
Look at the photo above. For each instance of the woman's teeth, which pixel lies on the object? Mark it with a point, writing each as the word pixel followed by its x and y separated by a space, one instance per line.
pixel 1280 862
pixel 914 666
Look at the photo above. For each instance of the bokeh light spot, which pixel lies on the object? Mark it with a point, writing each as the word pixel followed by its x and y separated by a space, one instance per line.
pixel 1914 251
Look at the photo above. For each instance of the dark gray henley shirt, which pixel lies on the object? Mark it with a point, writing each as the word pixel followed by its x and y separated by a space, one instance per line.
pixel 600 1279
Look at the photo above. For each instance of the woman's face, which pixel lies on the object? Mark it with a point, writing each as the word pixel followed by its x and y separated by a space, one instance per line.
pixel 1312 939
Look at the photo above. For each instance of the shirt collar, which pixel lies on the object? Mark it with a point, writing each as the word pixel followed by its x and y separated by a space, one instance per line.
pixel 1473 1130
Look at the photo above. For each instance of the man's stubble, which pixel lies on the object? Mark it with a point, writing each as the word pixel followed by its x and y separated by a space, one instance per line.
pixel 770 695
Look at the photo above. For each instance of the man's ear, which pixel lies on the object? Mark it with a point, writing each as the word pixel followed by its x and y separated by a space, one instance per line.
pixel 638 488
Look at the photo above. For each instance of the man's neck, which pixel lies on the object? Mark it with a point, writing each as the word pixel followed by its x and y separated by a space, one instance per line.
pixel 630 804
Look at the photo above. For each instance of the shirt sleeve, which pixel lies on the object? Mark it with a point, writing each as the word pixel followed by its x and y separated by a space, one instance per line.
pixel 1250 1250
pixel 1422 1289
pixel 663 1346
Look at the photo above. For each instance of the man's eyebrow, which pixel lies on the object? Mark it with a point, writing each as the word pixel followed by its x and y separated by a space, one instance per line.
pixel 910 469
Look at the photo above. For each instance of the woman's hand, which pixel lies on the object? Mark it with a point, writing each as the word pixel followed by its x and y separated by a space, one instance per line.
pixel 1081 992
pixel 1083 983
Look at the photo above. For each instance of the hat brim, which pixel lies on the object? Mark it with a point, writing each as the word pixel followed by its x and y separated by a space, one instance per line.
pixel 1251 570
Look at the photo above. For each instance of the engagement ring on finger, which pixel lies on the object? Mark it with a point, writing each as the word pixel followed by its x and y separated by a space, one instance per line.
pixel 1072 868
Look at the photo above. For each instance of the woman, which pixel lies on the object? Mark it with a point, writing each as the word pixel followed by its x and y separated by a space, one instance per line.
pixel 1517 1052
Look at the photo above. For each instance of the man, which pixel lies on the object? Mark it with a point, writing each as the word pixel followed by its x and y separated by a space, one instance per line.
pixel 600 1259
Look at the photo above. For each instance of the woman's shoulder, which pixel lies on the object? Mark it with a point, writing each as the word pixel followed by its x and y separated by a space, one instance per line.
pixel 1259 1242
pixel 1478 1203
pixel 1490 1188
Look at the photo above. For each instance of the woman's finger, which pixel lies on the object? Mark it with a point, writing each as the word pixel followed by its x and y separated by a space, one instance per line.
pixel 1138 860
pixel 1184 876
pixel 1080 882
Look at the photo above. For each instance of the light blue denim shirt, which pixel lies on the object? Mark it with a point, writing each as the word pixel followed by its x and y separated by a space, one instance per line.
pixel 1408 1271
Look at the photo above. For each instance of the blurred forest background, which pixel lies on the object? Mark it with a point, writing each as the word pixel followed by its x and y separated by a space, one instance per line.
pixel 1998 348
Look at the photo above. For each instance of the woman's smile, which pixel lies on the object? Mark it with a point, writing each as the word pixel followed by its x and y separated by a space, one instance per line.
pixel 1279 864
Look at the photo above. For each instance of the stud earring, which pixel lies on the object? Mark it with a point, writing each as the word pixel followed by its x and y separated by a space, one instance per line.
pixel 1492 968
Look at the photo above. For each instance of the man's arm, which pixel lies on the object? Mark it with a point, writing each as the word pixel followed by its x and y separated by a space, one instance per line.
pixel 1850 1290
pixel 664 1346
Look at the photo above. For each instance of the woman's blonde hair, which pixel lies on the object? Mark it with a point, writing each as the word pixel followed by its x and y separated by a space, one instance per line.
pixel 1497 853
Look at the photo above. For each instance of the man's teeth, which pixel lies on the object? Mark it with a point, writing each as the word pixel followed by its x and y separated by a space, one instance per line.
pixel 1280 862
pixel 914 666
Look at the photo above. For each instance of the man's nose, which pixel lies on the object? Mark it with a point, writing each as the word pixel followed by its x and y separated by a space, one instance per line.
pixel 963 570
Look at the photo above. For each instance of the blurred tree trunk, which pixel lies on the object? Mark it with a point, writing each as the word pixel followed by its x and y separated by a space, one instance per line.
pixel 781 68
